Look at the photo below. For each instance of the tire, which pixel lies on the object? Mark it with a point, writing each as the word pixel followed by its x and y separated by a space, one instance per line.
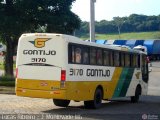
pixel 135 99
pixel 97 102
pixel 61 103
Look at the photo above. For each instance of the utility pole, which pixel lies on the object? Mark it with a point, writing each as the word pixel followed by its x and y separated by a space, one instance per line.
pixel 92 20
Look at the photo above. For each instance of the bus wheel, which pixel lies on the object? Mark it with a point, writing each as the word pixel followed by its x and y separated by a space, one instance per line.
pixel 135 99
pixel 61 103
pixel 97 102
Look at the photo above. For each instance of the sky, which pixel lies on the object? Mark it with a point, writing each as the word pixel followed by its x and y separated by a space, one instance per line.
pixel 107 9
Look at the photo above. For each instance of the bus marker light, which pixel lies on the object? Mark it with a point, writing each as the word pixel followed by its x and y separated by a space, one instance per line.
pixel 19 90
pixel 56 92
pixel 16 72
pixel 23 90
pixel 44 84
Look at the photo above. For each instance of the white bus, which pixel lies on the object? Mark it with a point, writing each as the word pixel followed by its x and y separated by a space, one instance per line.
pixel 64 68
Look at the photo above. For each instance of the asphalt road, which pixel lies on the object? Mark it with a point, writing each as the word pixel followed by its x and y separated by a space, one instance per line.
pixel 148 108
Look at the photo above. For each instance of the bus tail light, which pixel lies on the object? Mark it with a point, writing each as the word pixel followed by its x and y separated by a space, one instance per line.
pixel 16 72
pixel 63 78
pixel 63 75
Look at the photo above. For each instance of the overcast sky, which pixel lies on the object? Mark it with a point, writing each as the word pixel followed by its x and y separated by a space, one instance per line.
pixel 107 9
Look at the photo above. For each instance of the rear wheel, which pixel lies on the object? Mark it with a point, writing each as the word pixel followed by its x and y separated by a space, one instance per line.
pixel 61 103
pixel 135 99
pixel 97 102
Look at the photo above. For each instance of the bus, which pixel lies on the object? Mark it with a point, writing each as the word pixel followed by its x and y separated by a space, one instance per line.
pixel 64 68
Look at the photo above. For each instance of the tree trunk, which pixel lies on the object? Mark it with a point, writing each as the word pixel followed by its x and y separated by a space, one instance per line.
pixel 9 58
pixel 119 32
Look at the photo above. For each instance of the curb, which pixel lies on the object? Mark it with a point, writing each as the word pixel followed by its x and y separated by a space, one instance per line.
pixel 7 90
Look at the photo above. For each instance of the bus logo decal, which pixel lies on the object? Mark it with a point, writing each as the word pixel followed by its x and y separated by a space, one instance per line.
pixel 137 75
pixel 39 42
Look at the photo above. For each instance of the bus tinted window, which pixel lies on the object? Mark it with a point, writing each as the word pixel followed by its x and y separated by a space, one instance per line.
pixel 82 54
pixel 122 59
pixel 93 56
pixel 85 55
pixel 144 64
pixel 111 58
pixel 127 60
pixel 116 58
pixel 77 55
pixel 106 57
pixel 99 57
pixel 135 60
pixel 73 57
pixel 71 54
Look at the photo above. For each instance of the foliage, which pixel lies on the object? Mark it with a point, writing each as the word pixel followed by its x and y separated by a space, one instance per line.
pixel 2 66
pixel 23 16
pixel 7 81
pixel 133 23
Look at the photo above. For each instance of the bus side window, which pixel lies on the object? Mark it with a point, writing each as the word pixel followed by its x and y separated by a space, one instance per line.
pixel 144 64
pixel 99 57
pixel 116 59
pixel 93 56
pixel 78 55
pixel 111 58
pixel 122 59
pixel 127 60
pixel 135 60
pixel 106 57
pixel 71 53
pixel 85 56
pixel 73 57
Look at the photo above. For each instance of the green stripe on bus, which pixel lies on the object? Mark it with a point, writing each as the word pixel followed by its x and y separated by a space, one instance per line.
pixel 120 82
pixel 127 82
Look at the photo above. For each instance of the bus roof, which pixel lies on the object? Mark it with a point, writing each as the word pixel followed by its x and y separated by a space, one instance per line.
pixel 76 40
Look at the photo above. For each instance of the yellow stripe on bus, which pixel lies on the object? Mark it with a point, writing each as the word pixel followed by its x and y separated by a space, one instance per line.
pixel 112 85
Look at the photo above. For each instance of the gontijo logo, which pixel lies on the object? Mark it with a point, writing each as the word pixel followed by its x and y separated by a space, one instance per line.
pixel 39 42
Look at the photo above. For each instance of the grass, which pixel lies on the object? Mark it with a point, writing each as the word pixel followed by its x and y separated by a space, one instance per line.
pixel 127 36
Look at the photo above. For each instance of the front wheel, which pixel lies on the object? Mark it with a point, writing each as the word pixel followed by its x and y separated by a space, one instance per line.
pixel 61 103
pixel 97 102
pixel 135 99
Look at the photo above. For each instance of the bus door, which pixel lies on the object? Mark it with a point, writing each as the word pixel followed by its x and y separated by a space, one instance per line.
pixel 144 68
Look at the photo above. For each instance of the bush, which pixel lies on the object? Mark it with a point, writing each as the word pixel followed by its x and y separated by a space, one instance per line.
pixel 7 81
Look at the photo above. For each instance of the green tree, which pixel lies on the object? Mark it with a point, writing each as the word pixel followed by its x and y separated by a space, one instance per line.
pixel 119 22
pixel 22 16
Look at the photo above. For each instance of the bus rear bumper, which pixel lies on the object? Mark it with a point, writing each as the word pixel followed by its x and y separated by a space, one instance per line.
pixel 57 94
